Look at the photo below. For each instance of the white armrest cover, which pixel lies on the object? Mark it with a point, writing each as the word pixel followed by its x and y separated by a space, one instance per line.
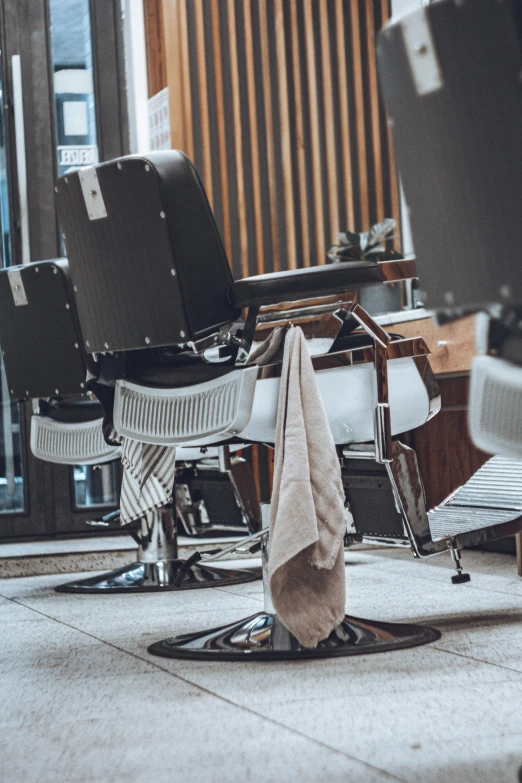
pixel 201 414
pixel 67 443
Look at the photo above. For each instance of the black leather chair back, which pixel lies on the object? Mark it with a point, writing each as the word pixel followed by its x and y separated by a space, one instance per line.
pixel 146 258
pixel 40 332
pixel 451 76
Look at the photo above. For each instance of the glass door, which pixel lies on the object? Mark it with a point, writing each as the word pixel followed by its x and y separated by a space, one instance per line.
pixel 93 488
pixel 62 71
pixel 12 494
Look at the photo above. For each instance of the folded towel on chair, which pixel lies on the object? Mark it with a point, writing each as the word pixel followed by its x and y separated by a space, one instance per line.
pixel 308 521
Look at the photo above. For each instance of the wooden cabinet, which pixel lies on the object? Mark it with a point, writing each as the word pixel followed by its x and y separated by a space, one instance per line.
pixel 446 455
pixel 452 346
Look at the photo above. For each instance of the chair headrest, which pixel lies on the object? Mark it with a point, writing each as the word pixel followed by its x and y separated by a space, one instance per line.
pixel 145 253
pixel 39 331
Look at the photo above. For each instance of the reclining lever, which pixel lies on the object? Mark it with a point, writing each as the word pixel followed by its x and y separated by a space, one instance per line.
pixel 113 516
pixel 247 545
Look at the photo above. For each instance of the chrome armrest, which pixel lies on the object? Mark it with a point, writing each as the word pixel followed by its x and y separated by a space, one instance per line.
pixel 402 348
pixel 320 318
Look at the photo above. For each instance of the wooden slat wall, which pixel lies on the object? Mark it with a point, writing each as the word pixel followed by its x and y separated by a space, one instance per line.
pixel 155 37
pixel 277 104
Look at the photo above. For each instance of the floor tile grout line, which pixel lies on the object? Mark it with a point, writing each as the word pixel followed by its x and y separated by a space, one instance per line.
pixel 429 579
pixel 477 660
pixel 452 652
pixel 224 699
pixel 374 567
pixel 238 595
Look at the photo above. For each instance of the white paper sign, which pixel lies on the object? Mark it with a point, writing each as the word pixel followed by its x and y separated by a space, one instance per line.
pixel 75 122
pixel 159 121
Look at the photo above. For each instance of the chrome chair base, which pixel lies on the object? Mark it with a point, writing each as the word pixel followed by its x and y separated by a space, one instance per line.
pixel 160 576
pixel 263 637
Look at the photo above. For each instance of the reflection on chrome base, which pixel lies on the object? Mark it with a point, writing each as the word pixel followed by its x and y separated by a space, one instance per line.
pixel 263 637
pixel 158 567
pixel 162 575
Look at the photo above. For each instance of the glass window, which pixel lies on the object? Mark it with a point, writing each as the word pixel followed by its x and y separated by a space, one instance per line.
pixel 71 45
pixel 11 462
pixel 96 485
pixel 77 147
pixel 4 194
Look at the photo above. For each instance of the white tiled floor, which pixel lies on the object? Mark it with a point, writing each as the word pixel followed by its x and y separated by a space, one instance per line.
pixel 82 700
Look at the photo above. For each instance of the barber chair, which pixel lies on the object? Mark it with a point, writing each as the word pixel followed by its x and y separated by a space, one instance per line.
pixel 164 248
pixel 450 73
pixel 45 361
pixel 149 269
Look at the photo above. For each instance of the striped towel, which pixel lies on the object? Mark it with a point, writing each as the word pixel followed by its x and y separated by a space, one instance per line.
pixel 148 477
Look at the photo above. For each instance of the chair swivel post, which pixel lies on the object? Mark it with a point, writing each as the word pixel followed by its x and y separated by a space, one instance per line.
pixel 158 567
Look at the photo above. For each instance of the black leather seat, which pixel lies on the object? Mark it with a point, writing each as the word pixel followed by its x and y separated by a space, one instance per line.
pixel 183 370
pixel 72 410
pixel 303 283
pixel 45 360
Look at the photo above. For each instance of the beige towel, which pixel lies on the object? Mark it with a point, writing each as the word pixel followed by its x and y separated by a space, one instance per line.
pixel 308 523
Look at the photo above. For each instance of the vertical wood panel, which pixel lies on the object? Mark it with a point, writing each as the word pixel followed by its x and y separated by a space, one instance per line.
pixel 285 135
pixel 273 261
pixel 254 139
pixel 178 75
pixel 220 127
pixel 375 132
pixel 155 37
pixel 389 165
pixel 279 103
pixel 201 61
pixel 360 129
pixel 299 144
pixel 238 135
pixel 344 112
pixel 185 86
pixel 328 60
pixel 315 143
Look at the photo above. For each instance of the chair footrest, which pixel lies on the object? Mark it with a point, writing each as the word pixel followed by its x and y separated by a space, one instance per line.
pixel 492 496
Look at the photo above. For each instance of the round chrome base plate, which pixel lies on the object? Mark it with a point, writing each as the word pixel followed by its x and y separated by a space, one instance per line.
pixel 262 637
pixel 164 575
